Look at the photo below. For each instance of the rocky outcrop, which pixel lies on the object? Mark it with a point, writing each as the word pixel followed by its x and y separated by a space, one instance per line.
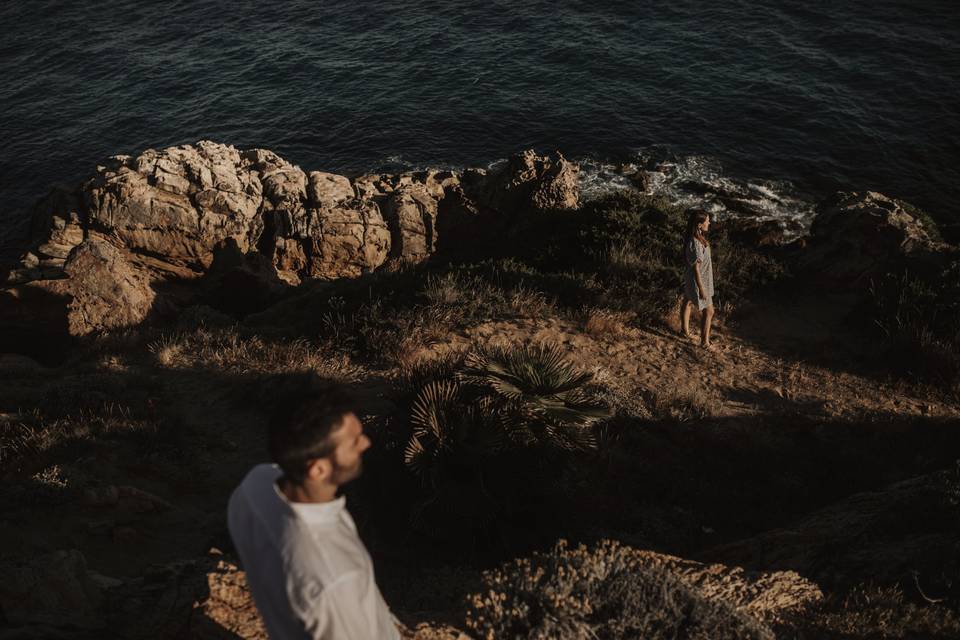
pixel 106 291
pixel 170 210
pixel 244 221
pixel 880 537
pixel 411 212
pixel 99 290
pixel 861 235
pixel 526 182
pixel 763 234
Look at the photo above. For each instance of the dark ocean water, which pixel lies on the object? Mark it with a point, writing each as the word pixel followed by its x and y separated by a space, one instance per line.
pixel 784 99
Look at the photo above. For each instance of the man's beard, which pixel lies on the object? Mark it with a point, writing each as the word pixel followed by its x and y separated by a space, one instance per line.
pixel 342 475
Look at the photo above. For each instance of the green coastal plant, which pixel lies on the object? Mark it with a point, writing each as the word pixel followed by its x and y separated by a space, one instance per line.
pixel 491 431
pixel 527 395
pixel 546 397
pixel 450 432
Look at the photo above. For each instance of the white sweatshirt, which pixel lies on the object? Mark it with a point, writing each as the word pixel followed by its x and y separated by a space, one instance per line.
pixel 310 575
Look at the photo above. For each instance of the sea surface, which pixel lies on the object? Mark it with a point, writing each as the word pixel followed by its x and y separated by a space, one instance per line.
pixel 779 102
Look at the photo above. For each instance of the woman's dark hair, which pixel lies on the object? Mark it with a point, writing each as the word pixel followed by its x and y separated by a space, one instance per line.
pixel 307 411
pixel 696 217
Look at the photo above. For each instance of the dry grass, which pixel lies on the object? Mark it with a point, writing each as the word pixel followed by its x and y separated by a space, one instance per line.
pixel 227 350
pixel 606 322
pixel 619 394
pixel 624 256
pixel 870 611
pixel 444 290
pixel 32 435
pixel 526 302
pixel 683 402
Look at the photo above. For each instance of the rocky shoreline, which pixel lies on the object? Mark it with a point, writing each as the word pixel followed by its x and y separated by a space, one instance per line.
pixel 248 220
pixel 247 224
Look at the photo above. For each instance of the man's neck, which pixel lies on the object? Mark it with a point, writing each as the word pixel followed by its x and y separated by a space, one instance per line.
pixel 307 492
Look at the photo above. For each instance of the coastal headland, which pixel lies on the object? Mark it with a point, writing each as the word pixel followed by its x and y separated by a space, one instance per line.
pixel 801 480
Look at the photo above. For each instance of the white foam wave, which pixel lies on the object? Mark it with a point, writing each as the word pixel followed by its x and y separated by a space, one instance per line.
pixel 700 181
pixel 686 181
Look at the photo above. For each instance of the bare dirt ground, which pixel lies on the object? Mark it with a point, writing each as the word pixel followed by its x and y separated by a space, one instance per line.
pixel 799 358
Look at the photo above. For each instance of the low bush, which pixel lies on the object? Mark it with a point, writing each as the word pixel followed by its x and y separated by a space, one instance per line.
pixel 604 322
pixel 598 593
pixel 870 611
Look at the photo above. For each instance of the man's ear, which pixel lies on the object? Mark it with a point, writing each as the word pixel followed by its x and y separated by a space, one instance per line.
pixel 319 469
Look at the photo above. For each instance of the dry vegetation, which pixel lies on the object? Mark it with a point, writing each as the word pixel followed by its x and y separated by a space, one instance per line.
pixel 490 445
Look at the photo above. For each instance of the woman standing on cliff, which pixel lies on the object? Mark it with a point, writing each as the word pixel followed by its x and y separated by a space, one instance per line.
pixel 698 276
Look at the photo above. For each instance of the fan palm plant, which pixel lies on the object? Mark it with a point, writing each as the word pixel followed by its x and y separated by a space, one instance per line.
pixel 546 396
pixel 454 438
pixel 450 433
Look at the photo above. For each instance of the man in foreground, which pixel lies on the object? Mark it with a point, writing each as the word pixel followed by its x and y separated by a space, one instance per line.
pixel 310 575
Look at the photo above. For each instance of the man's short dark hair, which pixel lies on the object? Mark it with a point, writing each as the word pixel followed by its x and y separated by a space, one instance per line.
pixel 300 429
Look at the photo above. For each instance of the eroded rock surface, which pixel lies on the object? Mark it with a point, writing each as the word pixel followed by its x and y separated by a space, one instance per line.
pixel 169 215
pixel 99 290
pixel 527 181
pixel 860 235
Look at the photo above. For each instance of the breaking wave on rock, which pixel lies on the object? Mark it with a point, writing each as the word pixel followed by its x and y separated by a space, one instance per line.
pixel 683 180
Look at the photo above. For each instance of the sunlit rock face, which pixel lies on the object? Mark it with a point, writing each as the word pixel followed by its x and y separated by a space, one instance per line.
pixel 192 212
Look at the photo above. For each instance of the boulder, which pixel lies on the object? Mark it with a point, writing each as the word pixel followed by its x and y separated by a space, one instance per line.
pixel 107 292
pixel 100 290
pixel 328 190
pixel 179 203
pixel 527 182
pixel 58 223
pixel 859 236
pixel 755 232
pixel 346 240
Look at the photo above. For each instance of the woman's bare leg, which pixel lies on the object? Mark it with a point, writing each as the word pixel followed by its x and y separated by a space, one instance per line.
pixel 707 318
pixel 685 317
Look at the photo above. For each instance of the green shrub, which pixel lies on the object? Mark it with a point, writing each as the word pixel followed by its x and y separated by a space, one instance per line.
pixel 631 247
pixel 488 434
pixel 451 432
pixel 546 396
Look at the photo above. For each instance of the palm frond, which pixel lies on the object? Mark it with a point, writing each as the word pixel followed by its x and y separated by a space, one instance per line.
pixel 449 428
